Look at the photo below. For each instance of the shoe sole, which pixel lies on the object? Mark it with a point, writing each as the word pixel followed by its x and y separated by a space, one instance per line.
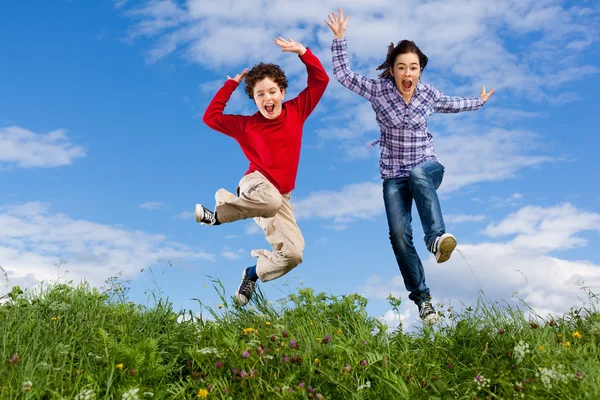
pixel 199 212
pixel 430 319
pixel 447 246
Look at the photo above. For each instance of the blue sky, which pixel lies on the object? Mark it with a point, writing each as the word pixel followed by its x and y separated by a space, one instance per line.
pixel 103 153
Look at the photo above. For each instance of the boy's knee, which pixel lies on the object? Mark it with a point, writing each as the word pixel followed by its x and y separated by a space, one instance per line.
pixel 272 204
pixel 293 258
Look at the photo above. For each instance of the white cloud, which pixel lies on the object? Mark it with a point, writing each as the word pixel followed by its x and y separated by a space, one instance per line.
pixel 493 156
pixel 523 264
pixel 33 240
pixel 233 255
pixel 186 215
pixel 462 218
pixel 355 201
pixel 152 205
pixel 23 148
pixel 252 228
pixel 477 33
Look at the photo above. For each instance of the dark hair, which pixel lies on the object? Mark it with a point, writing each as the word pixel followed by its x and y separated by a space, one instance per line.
pixel 403 47
pixel 262 71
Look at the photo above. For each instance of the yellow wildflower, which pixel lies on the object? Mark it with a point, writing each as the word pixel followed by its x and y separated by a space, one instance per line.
pixel 267 323
pixel 339 332
pixel 317 362
pixel 318 339
pixel 202 393
pixel 559 335
pixel 220 306
pixel 53 319
pixel 577 335
pixel 277 350
pixel 567 344
pixel 541 348
pixel 120 366
pixel 310 323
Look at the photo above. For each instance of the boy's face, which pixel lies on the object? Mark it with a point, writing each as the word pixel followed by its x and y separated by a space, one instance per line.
pixel 268 98
pixel 406 72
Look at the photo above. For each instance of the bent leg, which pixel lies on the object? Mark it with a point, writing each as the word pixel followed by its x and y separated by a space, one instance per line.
pixel 286 240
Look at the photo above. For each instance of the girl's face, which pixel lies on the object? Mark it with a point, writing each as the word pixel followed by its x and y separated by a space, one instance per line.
pixel 406 72
pixel 268 98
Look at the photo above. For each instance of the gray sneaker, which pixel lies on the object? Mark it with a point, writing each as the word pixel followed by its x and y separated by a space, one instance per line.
pixel 443 246
pixel 427 313
pixel 244 292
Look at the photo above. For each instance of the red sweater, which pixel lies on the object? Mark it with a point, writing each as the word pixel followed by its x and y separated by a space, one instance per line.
pixel 271 146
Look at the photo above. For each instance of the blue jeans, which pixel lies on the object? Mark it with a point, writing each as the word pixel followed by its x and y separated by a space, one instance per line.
pixel 398 195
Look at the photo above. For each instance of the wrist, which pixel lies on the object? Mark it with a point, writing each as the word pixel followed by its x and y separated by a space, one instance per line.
pixel 340 36
pixel 302 51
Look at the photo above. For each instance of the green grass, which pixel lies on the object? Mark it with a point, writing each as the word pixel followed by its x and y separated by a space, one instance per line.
pixel 77 342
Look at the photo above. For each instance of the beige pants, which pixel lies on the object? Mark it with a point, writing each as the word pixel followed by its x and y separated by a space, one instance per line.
pixel 274 213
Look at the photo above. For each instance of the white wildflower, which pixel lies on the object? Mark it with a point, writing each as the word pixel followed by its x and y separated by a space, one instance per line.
pixel 552 377
pixel 366 385
pixel 148 394
pixel 85 394
pixel 520 350
pixel 131 394
pixel 481 381
pixel 210 350
pixel 27 386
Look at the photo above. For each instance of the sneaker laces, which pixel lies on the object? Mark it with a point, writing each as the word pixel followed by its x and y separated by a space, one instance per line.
pixel 209 216
pixel 425 309
pixel 434 246
pixel 247 286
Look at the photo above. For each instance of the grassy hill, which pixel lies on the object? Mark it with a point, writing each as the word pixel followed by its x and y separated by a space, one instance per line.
pixel 77 342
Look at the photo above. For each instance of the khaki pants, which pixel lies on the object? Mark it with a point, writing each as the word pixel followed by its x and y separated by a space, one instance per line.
pixel 274 213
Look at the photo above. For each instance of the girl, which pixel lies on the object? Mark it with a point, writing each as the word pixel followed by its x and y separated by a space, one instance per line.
pixel 408 164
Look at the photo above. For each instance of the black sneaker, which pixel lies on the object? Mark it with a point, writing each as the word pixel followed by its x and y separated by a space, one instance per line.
pixel 245 290
pixel 205 216
pixel 427 313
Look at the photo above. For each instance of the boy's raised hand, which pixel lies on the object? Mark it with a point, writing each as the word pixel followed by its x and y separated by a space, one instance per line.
pixel 290 45
pixel 337 23
pixel 485 96
pixel 238 78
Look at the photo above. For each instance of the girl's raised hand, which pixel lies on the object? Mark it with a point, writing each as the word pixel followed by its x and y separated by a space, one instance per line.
pixel 290 45
pixel 337 23
pixel 485 96
pixel 238 78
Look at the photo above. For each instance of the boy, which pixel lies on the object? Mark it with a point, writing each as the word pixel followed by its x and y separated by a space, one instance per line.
pixel 271 141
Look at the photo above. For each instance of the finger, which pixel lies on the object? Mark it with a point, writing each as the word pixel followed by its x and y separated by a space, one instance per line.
pixel 228 77
pixel 330 18
pixel 341 14
pixel 492 91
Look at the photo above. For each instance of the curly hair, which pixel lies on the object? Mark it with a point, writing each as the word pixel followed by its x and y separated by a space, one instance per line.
pixel 262 71
pixel 403 47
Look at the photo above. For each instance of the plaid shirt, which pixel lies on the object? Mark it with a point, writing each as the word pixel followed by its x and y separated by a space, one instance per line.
pixel 405 140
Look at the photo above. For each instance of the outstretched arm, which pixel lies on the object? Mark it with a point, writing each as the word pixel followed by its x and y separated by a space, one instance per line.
pixel 317 77
pixel 231 125
pixel 448 104
pixel 366 87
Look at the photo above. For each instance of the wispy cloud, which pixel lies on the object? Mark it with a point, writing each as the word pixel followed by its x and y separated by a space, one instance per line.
pixel 522 263
pixel 252 228
pixel 186 215
pixel 152 205
pixel 462 218
pixel 33 240
pixel 476 33
pixel 25 149
pixel 233 255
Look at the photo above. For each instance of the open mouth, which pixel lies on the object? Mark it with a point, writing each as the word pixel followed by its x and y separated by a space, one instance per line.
pixel 406 84
pixel 270 108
